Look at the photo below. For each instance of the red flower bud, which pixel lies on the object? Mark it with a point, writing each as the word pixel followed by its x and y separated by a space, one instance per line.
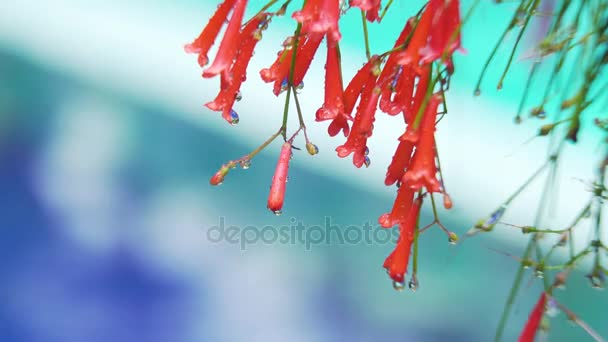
pixel 279 180
pixel 447 201
pixel 218 177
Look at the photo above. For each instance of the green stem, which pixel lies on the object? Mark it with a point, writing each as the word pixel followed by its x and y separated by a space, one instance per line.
pixel 365 35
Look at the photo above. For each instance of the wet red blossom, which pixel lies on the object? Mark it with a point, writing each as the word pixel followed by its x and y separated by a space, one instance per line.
pixel 320 16
pixel 356 142
pixel 333 106
pixel 230 43
pixel 444 38
pixel 437 34
pixel 205 40
pixel 372 8
pixel 423 170
pixel 529 332
pixel 229 88
pixel 401 208
pixel 393 77
pixel 401 160
pixel 396 263
pixel 279 180
pixel 356 85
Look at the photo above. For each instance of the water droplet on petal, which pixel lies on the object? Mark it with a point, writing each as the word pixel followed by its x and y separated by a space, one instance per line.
pixel 367 161
pixel 277 212
pixel 238 96
pixel 398 285
pixel 234 117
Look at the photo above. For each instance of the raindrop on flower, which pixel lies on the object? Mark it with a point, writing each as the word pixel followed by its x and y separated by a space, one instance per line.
pixel 277 212
pixel 300 86
pixel 477 92
pixel 238 96
pixel 284 84
pixel 234 117
pixel 367 161
pixel 398 285
pixel 366 150
pixel 288 42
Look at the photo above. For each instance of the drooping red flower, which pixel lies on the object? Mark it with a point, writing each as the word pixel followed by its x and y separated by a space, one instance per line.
pixel 415 106
pixel 401 208
pixel 411 55
pixel 230 43
pixel 401 160
pixel 320 16
pixel 229 88
pixel 363 122
pixel 372 8
pixel 423 170
pixel 393 77
pixel 279 180
pixel 529 332
pixel 333 106
pixel 445 33
pixel 205 40
pixel 437 34
pixel 396 263
pixel 279 71
pixel 357 83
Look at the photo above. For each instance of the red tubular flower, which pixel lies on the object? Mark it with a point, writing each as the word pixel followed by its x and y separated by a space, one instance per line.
pixel 224 101
pixel 333 106
pixel 272 73
pixel 392 75
pixel 410 112
pixel 401 160
pixel 401 208
pixel 279 71
pixel 279 180
pixel 372 7
pixel 445 34
pixel 402 101
pixel 320 16
pixel 205 40
pixel 229 46
pixel 396 263
pixel 423 170
pixel 362 125
pixel 529 332
pixel 356 85
pixel 306 53
pixel 419 38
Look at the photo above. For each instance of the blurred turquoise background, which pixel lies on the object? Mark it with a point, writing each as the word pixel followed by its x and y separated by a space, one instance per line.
pixel 105 156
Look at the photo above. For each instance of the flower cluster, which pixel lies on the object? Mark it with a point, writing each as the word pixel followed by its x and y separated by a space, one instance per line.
pixel 409 80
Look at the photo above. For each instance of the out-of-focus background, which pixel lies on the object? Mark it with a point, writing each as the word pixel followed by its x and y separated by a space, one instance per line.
pixel 108 219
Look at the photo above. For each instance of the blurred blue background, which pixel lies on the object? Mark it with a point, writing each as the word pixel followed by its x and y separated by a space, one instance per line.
pixel 105 156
